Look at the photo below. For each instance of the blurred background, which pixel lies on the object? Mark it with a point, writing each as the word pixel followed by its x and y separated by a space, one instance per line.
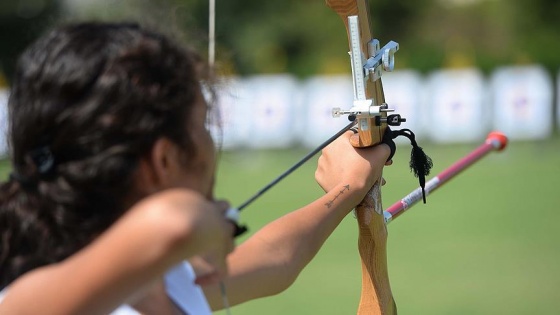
pixel 485 244
pixel 304 38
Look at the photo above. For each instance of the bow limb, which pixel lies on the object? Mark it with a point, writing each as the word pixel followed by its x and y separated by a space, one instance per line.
pixel 376 296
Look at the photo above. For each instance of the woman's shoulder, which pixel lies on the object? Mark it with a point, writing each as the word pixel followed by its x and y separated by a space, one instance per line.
pixel 180 287
pixel 122 310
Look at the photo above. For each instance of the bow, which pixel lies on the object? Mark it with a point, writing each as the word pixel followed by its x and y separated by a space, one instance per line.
pixel 369 107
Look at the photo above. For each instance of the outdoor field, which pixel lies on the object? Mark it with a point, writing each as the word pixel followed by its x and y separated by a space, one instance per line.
pixel 485 243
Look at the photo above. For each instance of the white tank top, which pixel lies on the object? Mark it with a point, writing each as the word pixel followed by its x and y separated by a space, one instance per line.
pixel 181 289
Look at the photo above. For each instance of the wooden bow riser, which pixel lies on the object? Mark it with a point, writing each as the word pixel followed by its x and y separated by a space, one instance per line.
pixel 376 296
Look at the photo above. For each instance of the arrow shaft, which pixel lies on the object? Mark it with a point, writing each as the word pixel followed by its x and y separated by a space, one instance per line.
pixel 295 166
pixel 399 207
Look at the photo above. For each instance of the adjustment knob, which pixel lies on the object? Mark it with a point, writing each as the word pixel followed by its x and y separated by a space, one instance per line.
pixel 395 120
pixel 388 57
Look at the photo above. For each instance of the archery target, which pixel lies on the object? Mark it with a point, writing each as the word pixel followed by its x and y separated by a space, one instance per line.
pixel 403 93
pixel 558 99
pixel 229 123
pixel 321 95
pixel 273 104
pixel 523 102
pixel 3 122
pixel 456 106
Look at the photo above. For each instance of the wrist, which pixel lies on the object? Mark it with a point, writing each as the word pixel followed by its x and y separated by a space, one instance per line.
pixel 359 187
pixel 346 195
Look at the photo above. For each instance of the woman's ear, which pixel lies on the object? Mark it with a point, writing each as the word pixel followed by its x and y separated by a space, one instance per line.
pixel 159 167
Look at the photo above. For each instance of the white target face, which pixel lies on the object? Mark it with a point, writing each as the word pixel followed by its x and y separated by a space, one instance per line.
pixel 456 108
pixel 522 98
pixel 4 122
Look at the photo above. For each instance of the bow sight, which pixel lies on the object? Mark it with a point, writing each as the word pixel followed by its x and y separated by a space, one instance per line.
pixel 369 69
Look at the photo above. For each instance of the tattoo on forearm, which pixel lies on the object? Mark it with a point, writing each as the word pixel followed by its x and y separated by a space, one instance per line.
pixel 330 203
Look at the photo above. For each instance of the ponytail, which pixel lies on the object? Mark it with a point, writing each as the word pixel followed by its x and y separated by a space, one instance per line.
pixel 87 103
pixel 22 231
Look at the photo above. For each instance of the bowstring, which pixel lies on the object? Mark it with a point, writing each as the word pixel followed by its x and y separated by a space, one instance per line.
pixel 211 61
pixel 212 32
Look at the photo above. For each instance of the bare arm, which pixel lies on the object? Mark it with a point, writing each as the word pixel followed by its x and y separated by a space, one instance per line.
pixel 152 237
pixel 270 261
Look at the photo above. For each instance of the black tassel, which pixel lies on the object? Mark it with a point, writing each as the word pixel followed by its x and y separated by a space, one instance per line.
pixel 420 163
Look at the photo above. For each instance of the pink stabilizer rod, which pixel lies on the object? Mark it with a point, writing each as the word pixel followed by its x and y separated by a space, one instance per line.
pixel 494 141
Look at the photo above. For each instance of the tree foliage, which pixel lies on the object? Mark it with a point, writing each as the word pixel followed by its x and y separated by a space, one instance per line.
pixel 306 38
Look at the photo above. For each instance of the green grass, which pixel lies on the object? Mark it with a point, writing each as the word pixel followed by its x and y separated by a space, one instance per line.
pixel 485 243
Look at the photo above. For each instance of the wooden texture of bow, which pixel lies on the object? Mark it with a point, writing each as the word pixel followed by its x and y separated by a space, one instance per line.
pixel 376 296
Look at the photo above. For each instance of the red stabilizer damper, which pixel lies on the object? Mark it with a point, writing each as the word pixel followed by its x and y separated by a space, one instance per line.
pixel 499 137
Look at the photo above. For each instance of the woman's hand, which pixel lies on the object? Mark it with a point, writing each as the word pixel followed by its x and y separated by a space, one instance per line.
pixel 210 267
pixel 341 163
pixel 204 235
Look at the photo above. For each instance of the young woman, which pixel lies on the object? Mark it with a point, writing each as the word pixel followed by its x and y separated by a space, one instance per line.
pixel 111 190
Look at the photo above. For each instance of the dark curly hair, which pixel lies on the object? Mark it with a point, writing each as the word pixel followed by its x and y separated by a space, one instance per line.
pixel 95 97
